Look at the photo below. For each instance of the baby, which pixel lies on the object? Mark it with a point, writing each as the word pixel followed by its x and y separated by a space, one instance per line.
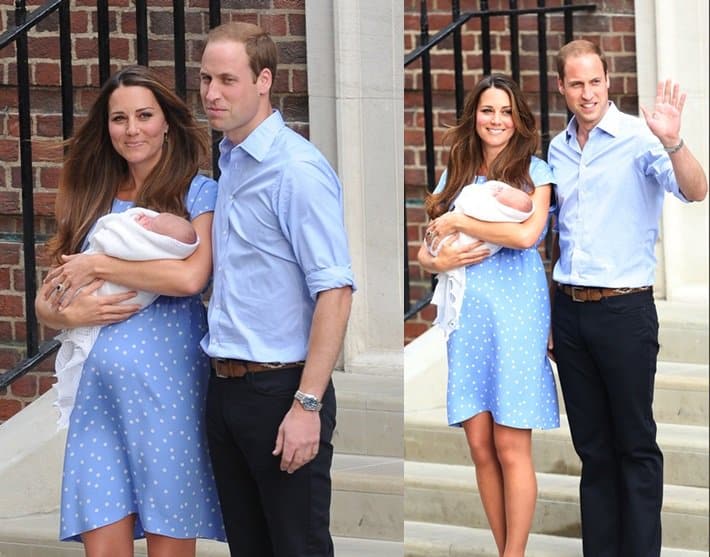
pixel 492 201
pixel 137 234
pixel 168 224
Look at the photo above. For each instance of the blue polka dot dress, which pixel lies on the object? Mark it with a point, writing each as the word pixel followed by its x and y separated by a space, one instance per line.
pixel 136 442
pixel 497 357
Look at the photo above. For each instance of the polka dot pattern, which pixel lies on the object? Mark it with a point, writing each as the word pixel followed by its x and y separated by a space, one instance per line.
pixel 497 357
pixel 136 441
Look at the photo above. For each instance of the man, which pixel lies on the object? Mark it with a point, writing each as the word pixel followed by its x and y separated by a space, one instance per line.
pixel 279 308
pixel 612 171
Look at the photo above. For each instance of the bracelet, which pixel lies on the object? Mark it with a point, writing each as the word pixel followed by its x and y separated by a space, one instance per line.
pixel 675 148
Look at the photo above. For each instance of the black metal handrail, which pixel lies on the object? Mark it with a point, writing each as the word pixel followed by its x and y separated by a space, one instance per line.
pixel 17 34
pixel 422 53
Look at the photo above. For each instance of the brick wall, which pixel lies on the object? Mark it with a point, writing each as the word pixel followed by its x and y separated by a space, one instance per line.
pixel 611 25
pixel 283 19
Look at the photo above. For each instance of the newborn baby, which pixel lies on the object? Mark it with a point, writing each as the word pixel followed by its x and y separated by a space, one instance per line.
pixel 137 234
pixel 492 201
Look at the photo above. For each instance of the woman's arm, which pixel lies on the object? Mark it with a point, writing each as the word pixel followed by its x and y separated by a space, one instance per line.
pixel 86 309
pixel 509 234
pixel 450 256
pixel 170 277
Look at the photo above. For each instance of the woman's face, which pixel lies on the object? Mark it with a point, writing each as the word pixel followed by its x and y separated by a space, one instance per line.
pixel 494 119
pixel 137 125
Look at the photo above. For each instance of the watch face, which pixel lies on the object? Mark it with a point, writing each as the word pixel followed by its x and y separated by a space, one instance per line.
pixel 309 402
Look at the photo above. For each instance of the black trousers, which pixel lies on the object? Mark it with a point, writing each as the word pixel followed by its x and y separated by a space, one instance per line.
pixel 267 512
pixel 606 357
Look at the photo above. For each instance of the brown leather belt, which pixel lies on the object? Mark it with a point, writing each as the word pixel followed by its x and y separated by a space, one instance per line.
pixel 225 368
pixel 595 294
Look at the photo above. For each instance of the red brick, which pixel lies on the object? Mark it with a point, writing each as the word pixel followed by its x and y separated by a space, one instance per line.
pixel 25 386
pixel 274 24
pixel 45 383
pixel 289 4
pixel 49 177
pixel 623 24
pixel 11 305
pixel 414 329
pixel 9 150
pixel 8 408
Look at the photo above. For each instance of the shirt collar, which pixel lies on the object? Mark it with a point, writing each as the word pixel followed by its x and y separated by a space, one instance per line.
pixel 610 123
pixel 259 141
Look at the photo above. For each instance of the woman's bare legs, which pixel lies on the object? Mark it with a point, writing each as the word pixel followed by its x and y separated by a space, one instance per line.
pixel 116 540
pixel 163 546
pixel 514 447
pixel 489 476
pixel 112 540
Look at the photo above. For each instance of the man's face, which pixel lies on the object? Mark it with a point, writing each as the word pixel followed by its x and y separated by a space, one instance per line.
pixel 585 88
pixel 235 100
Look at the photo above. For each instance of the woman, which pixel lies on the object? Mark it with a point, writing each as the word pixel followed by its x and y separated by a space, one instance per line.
pixel 136 461
pixel 500 384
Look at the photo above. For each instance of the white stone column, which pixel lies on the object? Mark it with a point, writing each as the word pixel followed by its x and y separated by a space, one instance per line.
pixel 355 84
pixel 671 43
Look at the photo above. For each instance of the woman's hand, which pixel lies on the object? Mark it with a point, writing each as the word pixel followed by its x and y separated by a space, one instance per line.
pixel 450 256
pixel 76 272
pixel 445 225
pixel 86 309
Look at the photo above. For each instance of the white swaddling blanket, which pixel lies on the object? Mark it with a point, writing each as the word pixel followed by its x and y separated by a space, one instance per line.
pixel 477 201
pixel 120 236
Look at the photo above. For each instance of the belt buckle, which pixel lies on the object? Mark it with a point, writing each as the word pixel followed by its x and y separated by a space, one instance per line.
pixel 625 290
pixel 228 363
pixel 576 289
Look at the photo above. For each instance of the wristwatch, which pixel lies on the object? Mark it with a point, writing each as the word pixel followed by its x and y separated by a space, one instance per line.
pixel 309 402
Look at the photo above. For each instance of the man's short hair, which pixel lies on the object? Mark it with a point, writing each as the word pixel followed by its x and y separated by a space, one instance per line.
pixel 577 48
pixel 260 48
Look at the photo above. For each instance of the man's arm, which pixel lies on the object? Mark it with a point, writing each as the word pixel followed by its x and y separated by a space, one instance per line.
pixel 298 437
pixel 664 123
pixel 691 179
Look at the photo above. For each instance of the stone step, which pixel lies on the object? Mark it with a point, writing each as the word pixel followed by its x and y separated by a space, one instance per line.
pixel 685 448
pixel 447 494
pixel 442 540
pixel 367 499
pixel 680 393
pixel 36 536
pixel 370 414
pixel 683 332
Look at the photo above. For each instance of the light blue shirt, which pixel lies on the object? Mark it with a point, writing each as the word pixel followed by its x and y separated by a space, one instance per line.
pixel 278 240
pixel 609 201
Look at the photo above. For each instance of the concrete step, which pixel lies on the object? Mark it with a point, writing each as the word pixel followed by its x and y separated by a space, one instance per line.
pixel 447 494
pixel 685 448
pixel 367 499
pixel 681 393
pixel 369 418
pixel 36 536
pixel 683 332
pixel 442 540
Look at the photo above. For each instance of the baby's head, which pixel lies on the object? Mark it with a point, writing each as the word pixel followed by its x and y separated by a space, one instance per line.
pixel 512 197
pixel 168 224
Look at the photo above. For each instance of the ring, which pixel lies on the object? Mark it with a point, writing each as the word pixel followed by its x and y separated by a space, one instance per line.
pixel 59 288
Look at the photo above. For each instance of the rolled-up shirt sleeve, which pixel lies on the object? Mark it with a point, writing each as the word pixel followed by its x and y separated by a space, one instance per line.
pixel 310 208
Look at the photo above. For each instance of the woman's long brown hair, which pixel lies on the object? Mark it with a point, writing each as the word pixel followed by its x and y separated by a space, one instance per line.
pixel 466 155
pixel 93 171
